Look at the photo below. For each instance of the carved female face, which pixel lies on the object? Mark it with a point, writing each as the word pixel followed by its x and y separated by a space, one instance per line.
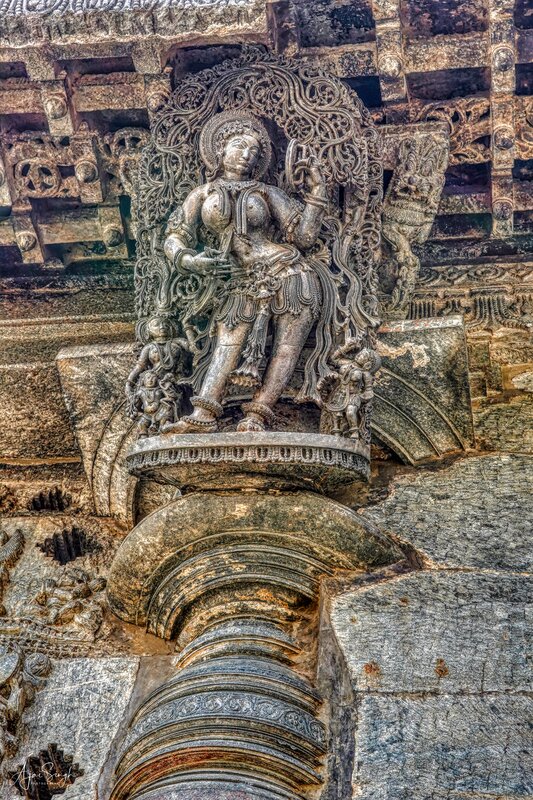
pixel 158 329
pixel 241 154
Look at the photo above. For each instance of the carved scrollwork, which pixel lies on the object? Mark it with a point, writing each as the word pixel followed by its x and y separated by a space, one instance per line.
pixel 468 120
pixel 75 602
pixel 121 154
pixel 483 309
pixel 20 677
pixel 11 548
pixel 37 160
pixel 37 177
pixel 524 127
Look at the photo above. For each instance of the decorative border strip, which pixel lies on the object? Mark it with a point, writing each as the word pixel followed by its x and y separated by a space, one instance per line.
pixel 306 455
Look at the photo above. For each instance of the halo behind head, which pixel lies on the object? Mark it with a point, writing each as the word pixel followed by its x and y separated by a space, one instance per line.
pixel 222 127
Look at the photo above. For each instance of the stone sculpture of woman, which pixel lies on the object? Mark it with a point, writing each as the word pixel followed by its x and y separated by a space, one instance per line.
pixel 270 280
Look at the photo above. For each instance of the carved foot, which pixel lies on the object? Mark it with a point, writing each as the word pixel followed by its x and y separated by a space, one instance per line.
pixel 252 422
pixel 191 425
pixel 257 417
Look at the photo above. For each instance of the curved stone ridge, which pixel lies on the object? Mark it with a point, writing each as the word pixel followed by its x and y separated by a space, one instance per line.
pixel 220 715
pixel 323 460
pixel 175 556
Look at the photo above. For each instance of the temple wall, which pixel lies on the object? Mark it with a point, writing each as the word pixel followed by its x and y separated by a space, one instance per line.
pixel 412 648
pixel 437 656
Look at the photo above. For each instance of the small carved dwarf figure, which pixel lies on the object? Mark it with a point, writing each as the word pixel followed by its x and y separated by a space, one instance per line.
pixel 155 403
pixel 348 391
pixel 153 394
pixel 20 677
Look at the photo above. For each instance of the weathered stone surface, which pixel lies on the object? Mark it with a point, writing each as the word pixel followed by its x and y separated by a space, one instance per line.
pixel 438 631
pixel 422 405
pixel 34 427
pixel 175 551
pixel 93 380
pixel 45 486
pixel 443 748
pixel 476 513
pixel 39 340
pixel 507 425
pixel 34 566
pixel 80 709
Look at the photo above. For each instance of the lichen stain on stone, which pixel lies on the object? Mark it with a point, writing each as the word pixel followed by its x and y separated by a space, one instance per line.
pixel 441 669
pixel 372 669
pixel 404 601
pixel 416 351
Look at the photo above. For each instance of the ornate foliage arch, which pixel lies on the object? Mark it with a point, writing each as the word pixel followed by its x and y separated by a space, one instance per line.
pixel 295 102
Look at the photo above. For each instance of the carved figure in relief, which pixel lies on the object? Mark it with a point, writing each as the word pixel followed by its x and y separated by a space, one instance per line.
pixel 270 282
pixel 259 202
pixel 20 677
pixel 152 390
pixel 349 391
pixel 11 548
pixel 74 598
pixel 409 209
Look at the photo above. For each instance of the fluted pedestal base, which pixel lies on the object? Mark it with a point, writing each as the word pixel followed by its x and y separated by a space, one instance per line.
pixel 231 571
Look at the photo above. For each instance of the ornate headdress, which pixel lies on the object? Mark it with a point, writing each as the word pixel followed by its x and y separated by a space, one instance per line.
pixel 223 127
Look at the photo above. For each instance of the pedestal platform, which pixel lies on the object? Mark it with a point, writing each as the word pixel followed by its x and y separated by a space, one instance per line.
pixel 237 460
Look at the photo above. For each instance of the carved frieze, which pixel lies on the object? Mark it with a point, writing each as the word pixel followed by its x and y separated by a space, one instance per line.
pixel 74 602
pixel 118 20
pixel 11 548
pixel 488 309
pixel 21 676
pixel 524 127
pixel 38 163
pixel 120 153
pixel 468 121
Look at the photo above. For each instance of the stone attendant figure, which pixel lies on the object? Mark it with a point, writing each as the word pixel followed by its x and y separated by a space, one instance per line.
pixel 152 405
pixel 153 395
pixel 269 283
pixel 349 392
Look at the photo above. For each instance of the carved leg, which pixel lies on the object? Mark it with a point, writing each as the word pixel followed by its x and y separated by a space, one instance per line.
pixel 143 426
pixel 207 405
pixel 291 333
pixel 353 419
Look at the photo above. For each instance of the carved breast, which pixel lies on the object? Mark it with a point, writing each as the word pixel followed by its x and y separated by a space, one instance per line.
pixel 216 214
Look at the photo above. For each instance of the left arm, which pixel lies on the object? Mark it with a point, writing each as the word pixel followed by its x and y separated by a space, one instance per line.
pixel 301 229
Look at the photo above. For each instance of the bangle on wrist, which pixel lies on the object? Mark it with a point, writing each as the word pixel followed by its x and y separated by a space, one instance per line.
pixel 179 254
pixel 317 201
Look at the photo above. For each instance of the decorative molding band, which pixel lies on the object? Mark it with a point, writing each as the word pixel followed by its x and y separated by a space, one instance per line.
pixel 321 460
